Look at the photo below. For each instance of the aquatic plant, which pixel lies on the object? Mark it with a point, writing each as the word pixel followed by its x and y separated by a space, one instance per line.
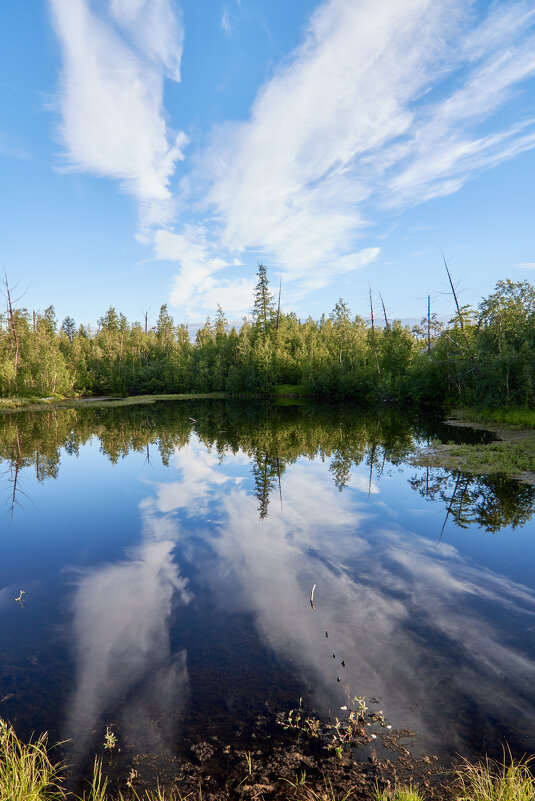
pixel 110 740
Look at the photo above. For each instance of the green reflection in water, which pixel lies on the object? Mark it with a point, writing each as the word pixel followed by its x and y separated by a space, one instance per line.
pixel 273 437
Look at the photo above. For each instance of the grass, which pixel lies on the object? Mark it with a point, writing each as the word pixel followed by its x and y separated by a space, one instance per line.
pixel 37 404
pixel 513 453
pixel 518 417
pixel 495 781
pixel 398 794
pixel 28 774
pixel 511 458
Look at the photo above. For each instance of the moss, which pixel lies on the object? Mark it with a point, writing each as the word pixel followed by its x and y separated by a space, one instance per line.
pixel 37 404
pixel 512 454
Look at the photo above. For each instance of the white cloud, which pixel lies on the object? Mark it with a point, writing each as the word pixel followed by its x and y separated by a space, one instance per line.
pixel 383 105
pixel 226 25
pixel 526 265
pixel 194 287
pixel 156 29
pixel 111 95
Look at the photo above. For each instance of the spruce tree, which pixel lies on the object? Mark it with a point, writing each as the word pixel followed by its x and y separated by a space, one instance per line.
pixel 263 310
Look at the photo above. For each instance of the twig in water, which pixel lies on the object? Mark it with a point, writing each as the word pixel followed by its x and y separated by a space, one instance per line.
pixel 312 598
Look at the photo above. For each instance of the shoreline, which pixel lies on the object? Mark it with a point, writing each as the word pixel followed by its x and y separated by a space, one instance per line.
pixel 512 453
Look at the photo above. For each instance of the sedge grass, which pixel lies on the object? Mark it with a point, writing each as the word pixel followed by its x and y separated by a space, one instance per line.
pixel 495 781
pixel 26 772
pixel 400 793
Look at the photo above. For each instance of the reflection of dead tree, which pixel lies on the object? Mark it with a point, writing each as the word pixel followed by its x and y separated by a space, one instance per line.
pixel 459 510
pixel 450 506
pixel 14 472
pixel 279 479
pixel 372 459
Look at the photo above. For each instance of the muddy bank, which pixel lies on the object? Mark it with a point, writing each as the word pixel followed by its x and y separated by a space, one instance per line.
pixel 272 761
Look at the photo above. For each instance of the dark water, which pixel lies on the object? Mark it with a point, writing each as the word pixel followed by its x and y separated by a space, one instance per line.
pixel 167 553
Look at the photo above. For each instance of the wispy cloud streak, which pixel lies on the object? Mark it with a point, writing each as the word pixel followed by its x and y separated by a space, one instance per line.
pixel 111 95
pixel 383 106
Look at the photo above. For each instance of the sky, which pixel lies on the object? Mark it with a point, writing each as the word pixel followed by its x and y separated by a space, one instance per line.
pixel 155 151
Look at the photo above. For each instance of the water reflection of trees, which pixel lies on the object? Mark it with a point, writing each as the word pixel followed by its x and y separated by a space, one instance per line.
pixel 273 437
pixel 490 502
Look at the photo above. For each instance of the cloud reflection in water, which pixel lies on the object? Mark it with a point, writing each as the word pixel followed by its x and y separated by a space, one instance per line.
pixel 432 634
pixel 437 638
pixel 125 667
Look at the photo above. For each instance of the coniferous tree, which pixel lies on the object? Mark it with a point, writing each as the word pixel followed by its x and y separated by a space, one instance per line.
pixel 263 310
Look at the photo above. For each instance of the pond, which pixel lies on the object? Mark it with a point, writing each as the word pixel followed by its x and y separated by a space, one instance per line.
pixel 168 554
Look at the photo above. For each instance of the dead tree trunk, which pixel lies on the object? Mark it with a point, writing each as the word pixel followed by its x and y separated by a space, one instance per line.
pixel 12 324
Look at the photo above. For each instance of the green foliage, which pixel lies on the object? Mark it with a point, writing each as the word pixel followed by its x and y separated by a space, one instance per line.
pixel 263 310
pixel 482 358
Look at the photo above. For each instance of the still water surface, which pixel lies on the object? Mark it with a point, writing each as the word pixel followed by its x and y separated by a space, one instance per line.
pixel 167 553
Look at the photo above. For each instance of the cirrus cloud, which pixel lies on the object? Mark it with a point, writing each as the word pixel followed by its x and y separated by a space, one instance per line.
pixel 383 106
pixel 111 95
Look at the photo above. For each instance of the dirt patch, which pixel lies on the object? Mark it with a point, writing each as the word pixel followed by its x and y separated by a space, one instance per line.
pixel 269 762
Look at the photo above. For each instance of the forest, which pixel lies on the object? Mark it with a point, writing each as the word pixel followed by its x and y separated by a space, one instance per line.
pixel 481 357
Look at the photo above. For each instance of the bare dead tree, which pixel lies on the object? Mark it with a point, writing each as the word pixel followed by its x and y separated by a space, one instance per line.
pixel 12 322
pixel 384 310
pixel 279 304
pixel 429 325
pixel 373 333
pixel 459 313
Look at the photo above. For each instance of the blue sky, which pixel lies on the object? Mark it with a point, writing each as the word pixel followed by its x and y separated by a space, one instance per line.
pixel 154 151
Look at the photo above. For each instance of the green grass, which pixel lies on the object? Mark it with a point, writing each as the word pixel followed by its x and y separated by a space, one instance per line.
pixel 495 781
pixel 398 794
pixel 511 458
pixel 26 772
pixel 513 453
pixel 518 417
pixel 38 404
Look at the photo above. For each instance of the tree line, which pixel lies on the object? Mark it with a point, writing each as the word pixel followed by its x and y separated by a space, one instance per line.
pixel 483 356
